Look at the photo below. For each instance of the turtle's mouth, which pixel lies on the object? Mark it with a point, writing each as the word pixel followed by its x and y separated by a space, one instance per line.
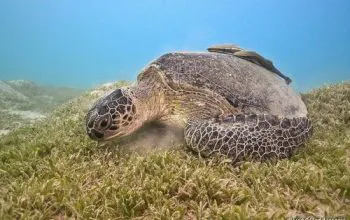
pixel 95 135
pixel 116 136
pixel 104 135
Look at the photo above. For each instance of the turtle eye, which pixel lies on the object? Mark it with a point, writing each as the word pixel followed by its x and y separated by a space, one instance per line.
pixel 104 123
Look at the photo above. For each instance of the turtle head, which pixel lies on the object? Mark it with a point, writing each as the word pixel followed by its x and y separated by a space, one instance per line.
pixel 112 116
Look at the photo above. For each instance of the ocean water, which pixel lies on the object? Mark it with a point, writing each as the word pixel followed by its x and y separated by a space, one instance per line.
pixel 53 51
pixel 85 43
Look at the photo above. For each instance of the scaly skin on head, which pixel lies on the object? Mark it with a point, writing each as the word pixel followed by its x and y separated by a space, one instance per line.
pixel 123 111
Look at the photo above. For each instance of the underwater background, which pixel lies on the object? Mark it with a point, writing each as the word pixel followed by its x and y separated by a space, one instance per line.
pixel 85 43
pixel 58 57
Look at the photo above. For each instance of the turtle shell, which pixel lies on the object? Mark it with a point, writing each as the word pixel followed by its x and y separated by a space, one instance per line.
pixel 251 56
pixel 242 83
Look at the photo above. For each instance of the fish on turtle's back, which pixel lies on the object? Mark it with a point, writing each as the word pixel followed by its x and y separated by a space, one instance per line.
pixel 242 83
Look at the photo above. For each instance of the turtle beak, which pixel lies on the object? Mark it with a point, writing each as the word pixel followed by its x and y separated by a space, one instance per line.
pixel 95 135
pixel 117 136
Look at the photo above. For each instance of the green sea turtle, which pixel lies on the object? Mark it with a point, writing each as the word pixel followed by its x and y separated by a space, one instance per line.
pixel 251 56
pixel 225 104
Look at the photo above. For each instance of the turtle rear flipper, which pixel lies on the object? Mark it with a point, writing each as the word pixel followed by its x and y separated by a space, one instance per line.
pixel 256 136
pixel 250 56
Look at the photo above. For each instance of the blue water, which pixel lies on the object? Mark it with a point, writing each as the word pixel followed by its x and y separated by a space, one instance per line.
pixel 84 43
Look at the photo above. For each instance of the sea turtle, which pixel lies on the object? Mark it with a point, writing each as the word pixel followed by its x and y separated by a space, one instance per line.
pixel 225 104
pixel 251 56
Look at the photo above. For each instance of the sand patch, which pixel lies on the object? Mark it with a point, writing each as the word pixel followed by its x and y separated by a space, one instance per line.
pixel 27 114
pixel 153 137
pixel 4 132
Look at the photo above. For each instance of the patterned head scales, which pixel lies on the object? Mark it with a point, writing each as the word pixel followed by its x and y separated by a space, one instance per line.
pixel 111 116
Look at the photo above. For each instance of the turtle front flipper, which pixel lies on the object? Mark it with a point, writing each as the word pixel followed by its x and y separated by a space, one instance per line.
pixel 250 56
pixel 243 137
